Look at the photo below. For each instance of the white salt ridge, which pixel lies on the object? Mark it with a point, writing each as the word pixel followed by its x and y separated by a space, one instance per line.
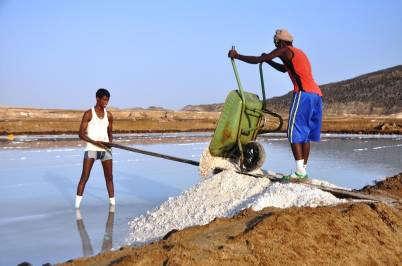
pixel 378 148
pixel 312 181
pixel 387 146
pixel 326 184
pixel 222 195
pixel 293 195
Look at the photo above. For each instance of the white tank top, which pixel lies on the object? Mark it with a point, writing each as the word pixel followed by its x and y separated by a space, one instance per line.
pixel 97 130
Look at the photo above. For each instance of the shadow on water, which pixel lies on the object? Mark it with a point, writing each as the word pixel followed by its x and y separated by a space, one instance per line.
pixel 107 242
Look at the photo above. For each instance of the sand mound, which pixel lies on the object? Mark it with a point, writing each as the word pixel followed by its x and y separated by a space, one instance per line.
pixel 351 233
pixel 365 234
pixel 391 187
pixel 223 195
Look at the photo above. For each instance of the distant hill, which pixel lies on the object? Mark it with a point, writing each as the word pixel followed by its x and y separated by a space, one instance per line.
pixel 375 93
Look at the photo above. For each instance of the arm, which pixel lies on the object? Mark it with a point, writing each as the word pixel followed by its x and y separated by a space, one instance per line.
pixel 279 52
pixel 84 125
pixel 110 127
pixel 277 66
pixel 83 130
pixel 249 59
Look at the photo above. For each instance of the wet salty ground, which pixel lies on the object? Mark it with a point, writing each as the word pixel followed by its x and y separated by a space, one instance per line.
pixel 38 177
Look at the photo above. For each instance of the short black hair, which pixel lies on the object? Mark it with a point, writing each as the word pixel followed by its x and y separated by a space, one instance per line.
pixel 102 92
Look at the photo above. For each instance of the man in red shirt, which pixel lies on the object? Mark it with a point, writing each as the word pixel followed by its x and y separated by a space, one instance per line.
pixel 305 116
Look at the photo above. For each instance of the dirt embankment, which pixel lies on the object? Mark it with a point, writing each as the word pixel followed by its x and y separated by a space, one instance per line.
pixel 391 187
pixel 44 121
pixel 55 121
pixel 354 233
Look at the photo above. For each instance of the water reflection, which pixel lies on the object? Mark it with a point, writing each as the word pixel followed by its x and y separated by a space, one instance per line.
pixel 107 242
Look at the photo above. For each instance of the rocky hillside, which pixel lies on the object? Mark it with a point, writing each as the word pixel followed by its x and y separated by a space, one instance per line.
pixel 376 93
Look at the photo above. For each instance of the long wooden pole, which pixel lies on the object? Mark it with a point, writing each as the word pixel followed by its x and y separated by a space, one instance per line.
pixel 155 154
pixel 343 193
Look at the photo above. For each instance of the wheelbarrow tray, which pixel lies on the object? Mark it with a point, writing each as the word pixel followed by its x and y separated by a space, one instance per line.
pixel 235 123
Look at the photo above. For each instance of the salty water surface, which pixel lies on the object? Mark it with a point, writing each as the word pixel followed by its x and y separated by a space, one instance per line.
pixel 39 174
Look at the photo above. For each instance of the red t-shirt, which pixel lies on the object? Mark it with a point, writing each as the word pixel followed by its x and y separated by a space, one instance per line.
pixel 302 73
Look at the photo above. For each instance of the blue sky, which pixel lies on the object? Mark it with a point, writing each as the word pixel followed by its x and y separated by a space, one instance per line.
pixel 55 54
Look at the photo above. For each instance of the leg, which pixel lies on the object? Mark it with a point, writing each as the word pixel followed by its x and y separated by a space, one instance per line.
pixel 306 151
pixel 297 130
pixel 297 150
pixel 298 154
pixel 86 170
pixel 315 123
pixel 108 172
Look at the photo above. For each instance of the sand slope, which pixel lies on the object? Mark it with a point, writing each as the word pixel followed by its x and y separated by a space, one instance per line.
pixel 351 233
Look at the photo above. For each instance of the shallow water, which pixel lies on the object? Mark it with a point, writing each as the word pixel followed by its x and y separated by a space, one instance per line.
pixel 38 178
pixel 346 160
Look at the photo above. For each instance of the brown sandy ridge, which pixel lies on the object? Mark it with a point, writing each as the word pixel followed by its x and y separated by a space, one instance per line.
pixel 351 234
pixel 58 121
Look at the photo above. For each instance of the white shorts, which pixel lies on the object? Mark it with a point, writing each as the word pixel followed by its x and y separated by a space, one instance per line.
pixel 101 155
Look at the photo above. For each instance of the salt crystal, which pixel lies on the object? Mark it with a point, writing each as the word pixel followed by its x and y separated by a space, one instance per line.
pixel 223 195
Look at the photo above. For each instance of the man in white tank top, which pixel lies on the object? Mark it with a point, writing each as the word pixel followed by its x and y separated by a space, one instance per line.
pixel 96 129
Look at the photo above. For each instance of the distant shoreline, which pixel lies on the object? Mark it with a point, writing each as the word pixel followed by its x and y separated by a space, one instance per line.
pixel 28 121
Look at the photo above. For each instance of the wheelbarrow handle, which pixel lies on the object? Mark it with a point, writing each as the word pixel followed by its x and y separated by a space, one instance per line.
pixel 243 106
pixel 264 99
pixel 264 103
pixel 237 78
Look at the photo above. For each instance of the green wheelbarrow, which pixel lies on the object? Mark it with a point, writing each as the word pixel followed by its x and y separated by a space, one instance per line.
pixel 239 124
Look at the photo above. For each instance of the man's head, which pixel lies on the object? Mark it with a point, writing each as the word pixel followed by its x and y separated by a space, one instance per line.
pixel 282 38
pixel 102 97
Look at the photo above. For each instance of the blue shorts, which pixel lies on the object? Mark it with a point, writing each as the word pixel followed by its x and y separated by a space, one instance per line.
pixel 101 155
pixel 305 118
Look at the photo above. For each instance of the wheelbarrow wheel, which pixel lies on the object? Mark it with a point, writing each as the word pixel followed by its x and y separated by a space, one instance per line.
pixel 253 156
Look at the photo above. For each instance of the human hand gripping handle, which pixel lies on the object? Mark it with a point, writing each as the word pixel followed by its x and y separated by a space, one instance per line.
pixel 233 53
pixel 102 144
